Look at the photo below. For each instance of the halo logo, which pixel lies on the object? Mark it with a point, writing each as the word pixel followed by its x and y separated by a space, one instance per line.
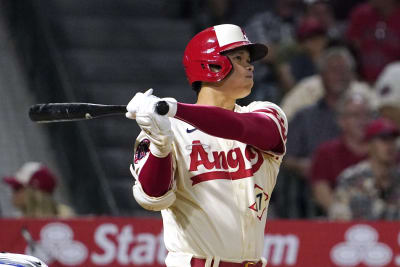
pixel 361 246
pixel 56 243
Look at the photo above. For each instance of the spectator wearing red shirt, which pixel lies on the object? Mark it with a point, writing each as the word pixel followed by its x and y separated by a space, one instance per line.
pixel 374 31
pixel 370 190
pixel 333 156
pixel 387 89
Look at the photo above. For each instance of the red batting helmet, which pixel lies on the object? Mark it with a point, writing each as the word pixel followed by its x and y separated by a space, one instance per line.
pixel 207 47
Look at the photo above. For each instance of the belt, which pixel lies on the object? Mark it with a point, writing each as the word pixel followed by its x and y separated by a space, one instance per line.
pixel 195 262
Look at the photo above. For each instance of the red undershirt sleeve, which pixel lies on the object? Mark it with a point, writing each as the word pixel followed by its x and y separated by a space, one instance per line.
pixel 253 128
pixel 156 175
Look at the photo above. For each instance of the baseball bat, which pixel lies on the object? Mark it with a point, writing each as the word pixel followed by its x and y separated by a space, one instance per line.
pixel 62 112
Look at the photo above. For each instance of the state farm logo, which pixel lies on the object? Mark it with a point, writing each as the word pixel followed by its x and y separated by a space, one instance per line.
pixel 361 247
pixel 112 246
pixel 281 249
pixel 125 247
pixel 57 244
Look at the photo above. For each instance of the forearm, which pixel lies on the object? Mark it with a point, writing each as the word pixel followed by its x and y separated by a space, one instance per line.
pixel 155 175
pixel 252 128
pixel 323 194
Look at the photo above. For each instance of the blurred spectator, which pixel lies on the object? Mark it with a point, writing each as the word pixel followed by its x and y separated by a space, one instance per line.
pixel 354 111
pixel 387 88
pixel 374 31
pixel 342 8
pixel 210 12
pixel 207 13
pixel 336 68
pixel 323 11
pixel 300 60
pixel 276 29
pixel 370 190
pixel 33 187
pixel 315 124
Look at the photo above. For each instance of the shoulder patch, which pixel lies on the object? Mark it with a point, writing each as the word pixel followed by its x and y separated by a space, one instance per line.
pixel 141 150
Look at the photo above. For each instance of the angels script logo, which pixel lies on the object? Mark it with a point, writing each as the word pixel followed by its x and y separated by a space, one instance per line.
pixel 233 159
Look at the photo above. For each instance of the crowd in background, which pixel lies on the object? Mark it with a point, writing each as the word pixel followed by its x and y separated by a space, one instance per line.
pixel 334 68
pixel 33 188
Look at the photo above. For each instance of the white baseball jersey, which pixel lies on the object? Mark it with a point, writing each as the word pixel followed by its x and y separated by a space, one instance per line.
pixel 222 189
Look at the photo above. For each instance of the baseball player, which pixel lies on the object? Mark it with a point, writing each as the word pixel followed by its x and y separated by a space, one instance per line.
pixel 210 167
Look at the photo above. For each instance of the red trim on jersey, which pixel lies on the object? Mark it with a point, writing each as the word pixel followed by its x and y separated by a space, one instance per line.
pixel 280 120
pixel 251 128
pixel 156 175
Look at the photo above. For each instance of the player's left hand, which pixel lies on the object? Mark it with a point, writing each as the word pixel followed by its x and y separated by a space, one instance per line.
pixel 158 130
pixel 144 103
pixel 156 127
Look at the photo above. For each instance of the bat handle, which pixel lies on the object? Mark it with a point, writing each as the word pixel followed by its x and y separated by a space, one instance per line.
pixel 162 107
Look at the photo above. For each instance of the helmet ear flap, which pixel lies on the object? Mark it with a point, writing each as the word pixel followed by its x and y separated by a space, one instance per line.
pixel 216 70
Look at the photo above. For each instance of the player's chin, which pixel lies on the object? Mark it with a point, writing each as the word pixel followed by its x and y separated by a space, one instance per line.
pixel 249 86
pixel 246 91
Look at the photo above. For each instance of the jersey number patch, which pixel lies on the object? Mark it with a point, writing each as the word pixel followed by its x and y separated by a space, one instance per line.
pixel 260 204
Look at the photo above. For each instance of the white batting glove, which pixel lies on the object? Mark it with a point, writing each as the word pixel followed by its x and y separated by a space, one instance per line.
pixel 156 127
pixel 141 103
pixel 146 102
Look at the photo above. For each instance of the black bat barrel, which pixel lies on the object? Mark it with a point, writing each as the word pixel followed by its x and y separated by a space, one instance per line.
pixel 56 112
pixel 53 112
